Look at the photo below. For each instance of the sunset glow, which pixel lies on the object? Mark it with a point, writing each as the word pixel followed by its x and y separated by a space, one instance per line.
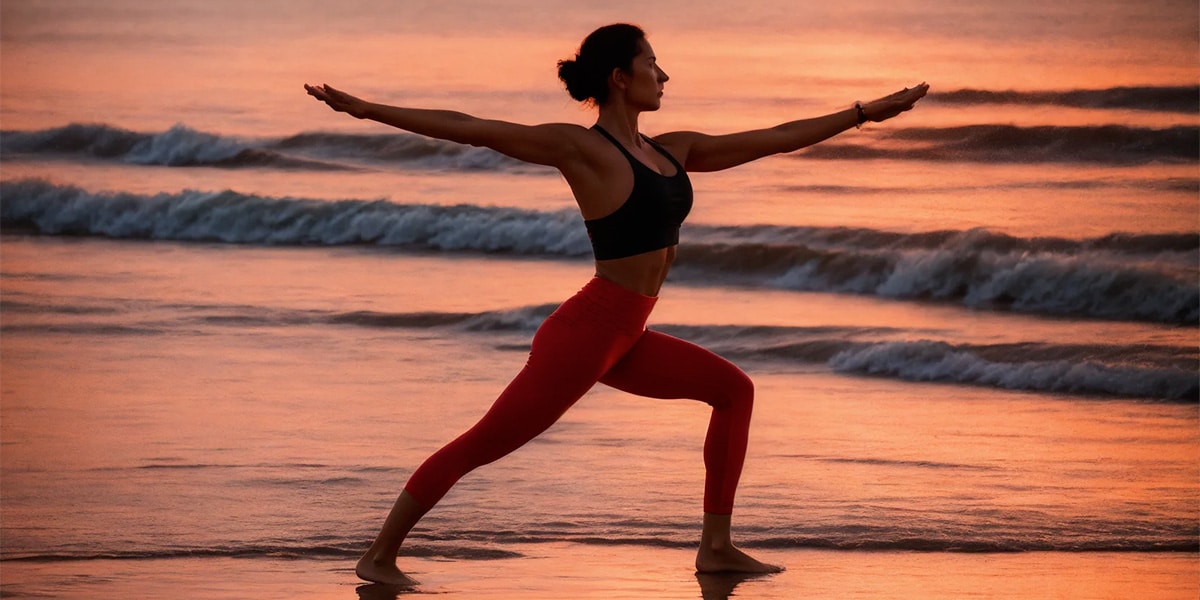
pixel 233 321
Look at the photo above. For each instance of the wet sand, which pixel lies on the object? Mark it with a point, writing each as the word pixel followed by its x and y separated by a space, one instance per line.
pixel 556 571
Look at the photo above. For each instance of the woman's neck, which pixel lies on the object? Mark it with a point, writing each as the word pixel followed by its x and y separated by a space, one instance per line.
pixel 621 122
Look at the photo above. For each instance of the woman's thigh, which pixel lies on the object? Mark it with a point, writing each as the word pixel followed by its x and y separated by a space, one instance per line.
pixel 663 366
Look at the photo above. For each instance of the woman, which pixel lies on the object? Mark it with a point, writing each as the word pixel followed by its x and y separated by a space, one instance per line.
pixel 633 193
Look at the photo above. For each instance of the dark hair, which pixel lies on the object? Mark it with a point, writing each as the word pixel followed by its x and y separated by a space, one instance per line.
pixel 610 47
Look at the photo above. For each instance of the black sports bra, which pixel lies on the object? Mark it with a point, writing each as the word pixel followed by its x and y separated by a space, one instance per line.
pixel 650 218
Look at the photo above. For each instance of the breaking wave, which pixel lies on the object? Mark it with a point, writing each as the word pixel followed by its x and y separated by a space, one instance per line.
pixel 1160 372
pixel 1141 277
pixel 181 146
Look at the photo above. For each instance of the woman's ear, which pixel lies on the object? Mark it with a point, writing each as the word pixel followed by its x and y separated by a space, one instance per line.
pixel 618 78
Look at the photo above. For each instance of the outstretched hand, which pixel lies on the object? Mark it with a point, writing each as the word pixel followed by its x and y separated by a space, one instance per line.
pixel 338 100
pixel 894 104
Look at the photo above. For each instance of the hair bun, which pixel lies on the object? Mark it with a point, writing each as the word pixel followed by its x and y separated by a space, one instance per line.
pixel 572 74
pixel 610 47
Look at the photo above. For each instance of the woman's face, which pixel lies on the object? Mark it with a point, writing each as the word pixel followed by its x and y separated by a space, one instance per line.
pixel 644 80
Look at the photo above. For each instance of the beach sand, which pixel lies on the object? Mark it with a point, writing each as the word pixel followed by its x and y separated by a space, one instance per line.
pixel 560 570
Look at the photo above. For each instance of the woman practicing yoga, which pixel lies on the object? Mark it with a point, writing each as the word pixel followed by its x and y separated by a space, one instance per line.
pixel 633 193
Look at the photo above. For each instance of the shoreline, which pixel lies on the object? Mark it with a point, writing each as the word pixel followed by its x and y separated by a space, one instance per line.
pixel 565 570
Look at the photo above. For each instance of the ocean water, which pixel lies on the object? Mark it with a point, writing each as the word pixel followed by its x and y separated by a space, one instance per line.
pixel 232 322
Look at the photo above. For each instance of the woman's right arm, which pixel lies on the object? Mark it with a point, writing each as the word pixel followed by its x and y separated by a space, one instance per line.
pixel 551 144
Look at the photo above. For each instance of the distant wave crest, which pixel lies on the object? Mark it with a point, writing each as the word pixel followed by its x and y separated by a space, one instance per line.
pixel 181 146
pixel 1106 144
pixel 1174 99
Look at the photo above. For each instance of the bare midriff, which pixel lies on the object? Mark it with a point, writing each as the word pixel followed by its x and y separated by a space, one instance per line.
pixel 642 273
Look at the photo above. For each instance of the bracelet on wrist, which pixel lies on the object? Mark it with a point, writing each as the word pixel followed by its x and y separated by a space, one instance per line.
pixel 861 116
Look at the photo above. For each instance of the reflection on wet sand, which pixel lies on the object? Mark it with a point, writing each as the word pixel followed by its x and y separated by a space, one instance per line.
pixel 720 586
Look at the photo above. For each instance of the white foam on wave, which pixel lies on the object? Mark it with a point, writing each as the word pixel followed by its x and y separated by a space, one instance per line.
pixel 232 217
pixel 926 360
pixel 181 146
pixel 1150 279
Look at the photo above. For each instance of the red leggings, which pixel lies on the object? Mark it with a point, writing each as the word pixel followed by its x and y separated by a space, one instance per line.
pixel 600 335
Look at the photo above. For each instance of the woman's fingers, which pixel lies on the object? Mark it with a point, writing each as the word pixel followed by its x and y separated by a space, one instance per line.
pixel 897 102
pixel 908 95
pixel 906 98
pixel 336 99
pixel 326 94
pixel 316 92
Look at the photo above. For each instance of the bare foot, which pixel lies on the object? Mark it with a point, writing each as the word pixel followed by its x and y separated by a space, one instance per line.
pixel 728 559
pixel 382 571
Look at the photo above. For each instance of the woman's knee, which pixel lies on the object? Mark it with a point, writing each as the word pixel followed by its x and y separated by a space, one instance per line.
pixel 736 392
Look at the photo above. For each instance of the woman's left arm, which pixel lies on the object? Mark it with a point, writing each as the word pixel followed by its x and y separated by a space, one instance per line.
pixel 701 152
